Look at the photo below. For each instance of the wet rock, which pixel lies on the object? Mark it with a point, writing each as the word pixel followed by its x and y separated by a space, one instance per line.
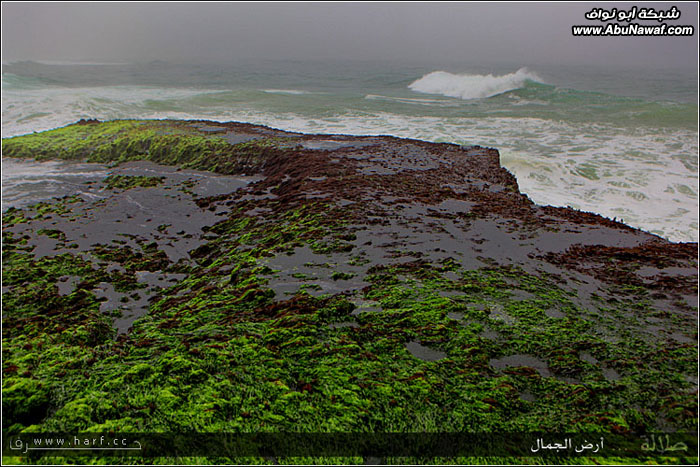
pixel 424 353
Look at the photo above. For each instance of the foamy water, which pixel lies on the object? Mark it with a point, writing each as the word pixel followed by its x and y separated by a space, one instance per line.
pixel 25 182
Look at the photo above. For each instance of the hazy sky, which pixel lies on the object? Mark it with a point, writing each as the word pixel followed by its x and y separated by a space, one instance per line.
pixel 525 33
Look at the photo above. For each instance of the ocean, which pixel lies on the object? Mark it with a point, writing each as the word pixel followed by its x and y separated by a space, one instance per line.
pixel 619 142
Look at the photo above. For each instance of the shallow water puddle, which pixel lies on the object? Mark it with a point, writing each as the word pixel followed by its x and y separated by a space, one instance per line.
pixel 610 374
pixel 586 357
pixel 553 313
pixel 456 315
pixel 344 324
pixel 497 313
pixel 489 334
pixel 159 280
pixel 521 360
pixel 314 273
pixel 424 353
pixel 66 284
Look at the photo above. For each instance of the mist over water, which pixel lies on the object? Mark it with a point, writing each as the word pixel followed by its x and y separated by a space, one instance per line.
pixel 622 143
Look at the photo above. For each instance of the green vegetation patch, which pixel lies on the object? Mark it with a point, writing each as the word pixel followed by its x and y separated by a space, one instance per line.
pixel 163 142
pixel 445 349
pixel 125 182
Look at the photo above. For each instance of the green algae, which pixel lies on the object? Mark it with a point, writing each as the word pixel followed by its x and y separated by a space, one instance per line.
pixel 338 275
pixel 126 182
pixel 231 340
pixel 162 142
pixel 52 233
pixel 259 366
pixel 149 258
pixel 12 216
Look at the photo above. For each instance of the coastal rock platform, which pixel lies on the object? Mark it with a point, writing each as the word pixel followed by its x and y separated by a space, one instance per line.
pixel 230 277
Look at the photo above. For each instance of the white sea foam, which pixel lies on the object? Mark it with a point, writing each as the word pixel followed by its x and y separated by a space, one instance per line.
pixel 25 182
pixel 467 86
pixel 27 110
pixel 295 92
pixel 411 100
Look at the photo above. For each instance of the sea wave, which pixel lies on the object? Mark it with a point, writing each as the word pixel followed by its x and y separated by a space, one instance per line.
pixel 295 92
pixel 28 107
pixel 465 86
pixel 410 100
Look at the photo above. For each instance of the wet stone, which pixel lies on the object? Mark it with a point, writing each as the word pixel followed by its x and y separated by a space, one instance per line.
pixel 649 272
pixel 115 267
pixel 452 276
pixel 237 138
pixel 518 294
pixel 521 360
pixel 345 324
pixel 569 379
pixel 209 128
pixel 586 357
pixel 365 306
pixel 424 353
pixel 451 293
pixel 455 206
pixel 610 374
pixel 499 314
pixel 552 313
pixel 66 284
pixel 680 337
pixel 490 334
pixel 159 279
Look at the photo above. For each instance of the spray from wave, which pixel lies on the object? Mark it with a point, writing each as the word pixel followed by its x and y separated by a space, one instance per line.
pixel 472 86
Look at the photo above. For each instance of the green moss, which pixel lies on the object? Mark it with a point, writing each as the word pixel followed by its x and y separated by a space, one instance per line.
pixel 216 352
pixel 12 216
pixel 24 401
pixel 53 233
pixel 149 258
pixel 125 182
pixel 163 142
pixel 337 275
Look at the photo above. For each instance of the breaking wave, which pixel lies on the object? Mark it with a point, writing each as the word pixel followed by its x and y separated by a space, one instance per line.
pixel 466 86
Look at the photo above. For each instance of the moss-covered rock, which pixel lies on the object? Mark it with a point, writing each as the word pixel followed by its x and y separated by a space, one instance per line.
pixel 327 304
pixel 163 142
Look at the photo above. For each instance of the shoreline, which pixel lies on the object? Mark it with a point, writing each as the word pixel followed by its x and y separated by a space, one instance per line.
pixel 243 126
